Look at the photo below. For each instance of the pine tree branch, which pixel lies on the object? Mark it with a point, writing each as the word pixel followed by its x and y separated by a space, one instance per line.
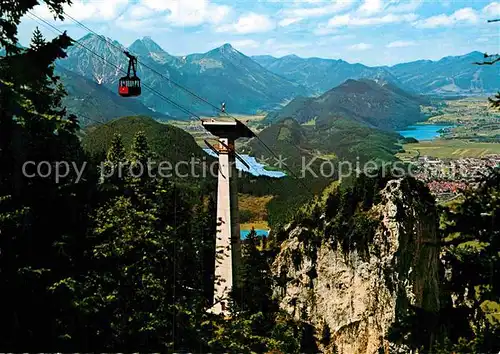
pixel 488 62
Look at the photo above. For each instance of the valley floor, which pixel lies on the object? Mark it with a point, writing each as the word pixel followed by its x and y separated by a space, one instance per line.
pixel 194 127
pixel 452 162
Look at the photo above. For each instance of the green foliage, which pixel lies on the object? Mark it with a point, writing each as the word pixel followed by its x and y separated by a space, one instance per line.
pixel 256 324
pixel 116 152
pixel 166 141
pixel 257 282
pixel 326 335
pixel 471 239
pixel 41 219
pixel 304 147
pixel 144 284
pixel 347 211
pixel 245 216
pixel 467 321
pixel 140 150
pixel 409 140
pixel 13 11
pixel 37 41
pixel 414 328
pixel 86 267
pixel 495 101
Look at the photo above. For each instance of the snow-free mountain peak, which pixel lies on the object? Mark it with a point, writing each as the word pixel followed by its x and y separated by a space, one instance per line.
pixel 98 41
pixel 225 49
pixel 145 46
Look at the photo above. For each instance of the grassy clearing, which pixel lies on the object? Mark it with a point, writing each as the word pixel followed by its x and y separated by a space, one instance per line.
pixel 244 118
pixel 257 206
pixel 328 157
pixel 328 190
pixel 257 225
pixel 311 122
pixel 455 149
pixel 474 118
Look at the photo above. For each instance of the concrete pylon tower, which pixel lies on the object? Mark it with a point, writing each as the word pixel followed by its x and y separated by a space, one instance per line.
pixel 228 249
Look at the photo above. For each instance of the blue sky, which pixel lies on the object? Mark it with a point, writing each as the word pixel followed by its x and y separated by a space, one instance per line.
pixel 373 32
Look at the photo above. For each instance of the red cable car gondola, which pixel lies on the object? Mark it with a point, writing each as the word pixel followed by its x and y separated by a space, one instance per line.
pixel 130 86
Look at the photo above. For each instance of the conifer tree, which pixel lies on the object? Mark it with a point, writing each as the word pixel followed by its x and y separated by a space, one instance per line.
pixel 142 289
pixel 41 219
pixel 140 150
pixel 208 239
pixel 471 239
pixel 256 276
pixel 115 166
pixel 38 41
pixel 116 152
pixel 495 101
pixel 140 155
pixel 255 325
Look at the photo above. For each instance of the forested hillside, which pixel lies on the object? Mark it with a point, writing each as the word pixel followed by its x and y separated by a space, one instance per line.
pixel 107 264
pixel 378 105
pixel 167 142
pixel 340 139
pixel 377 267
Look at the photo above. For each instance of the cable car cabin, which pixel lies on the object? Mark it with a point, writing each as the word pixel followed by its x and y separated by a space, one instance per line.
pixel 129 86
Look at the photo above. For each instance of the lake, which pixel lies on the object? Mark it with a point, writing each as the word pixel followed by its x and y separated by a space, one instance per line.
pixel 256 168
pixel 423 131
pixel 244 233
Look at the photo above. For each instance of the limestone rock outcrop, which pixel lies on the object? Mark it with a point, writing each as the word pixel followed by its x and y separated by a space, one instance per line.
pixel 354 297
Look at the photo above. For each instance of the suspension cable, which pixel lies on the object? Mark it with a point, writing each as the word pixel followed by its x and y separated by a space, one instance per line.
pixel 185 110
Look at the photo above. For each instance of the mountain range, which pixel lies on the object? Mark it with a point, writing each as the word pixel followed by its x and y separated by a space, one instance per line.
pixel 451 75
pixel 221 75
pixel 247 84
pixel 320 75
pixel 262 83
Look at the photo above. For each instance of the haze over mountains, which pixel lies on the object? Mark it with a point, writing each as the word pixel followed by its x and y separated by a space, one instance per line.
pixel 450 75
pixel 320 75
pixel 247 84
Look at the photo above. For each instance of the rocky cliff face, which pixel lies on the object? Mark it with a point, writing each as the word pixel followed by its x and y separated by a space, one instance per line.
pixel 353 297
